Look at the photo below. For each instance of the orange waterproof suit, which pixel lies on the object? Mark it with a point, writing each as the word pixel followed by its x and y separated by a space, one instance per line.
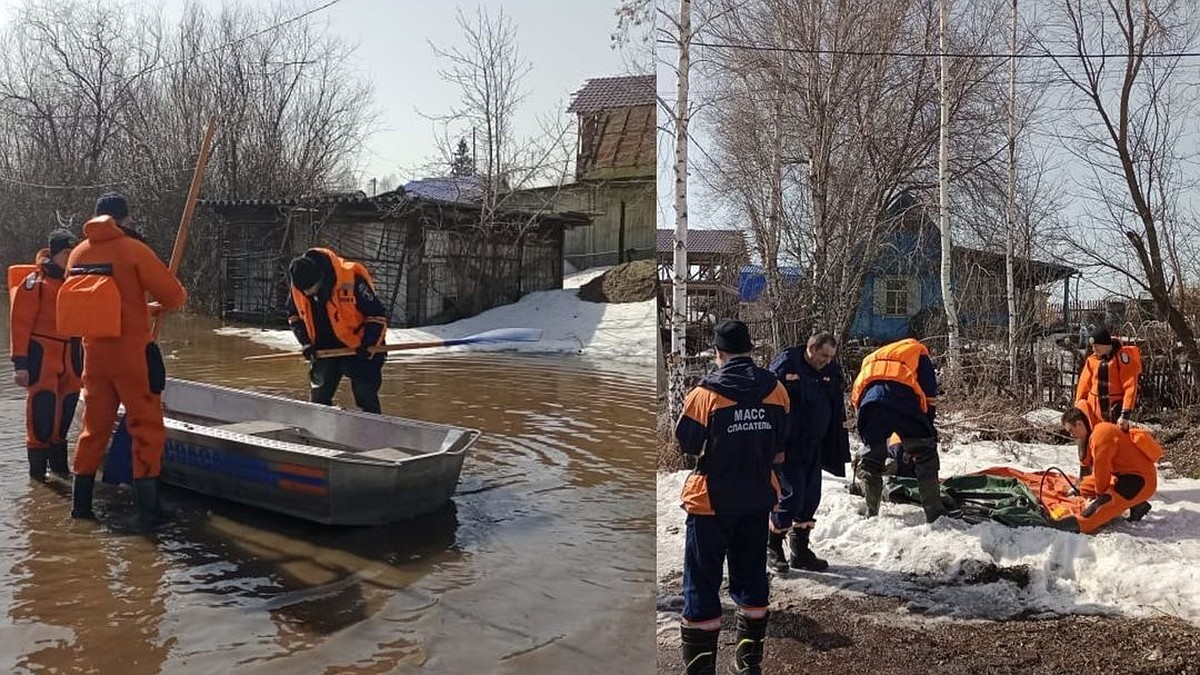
pixel 109 276
pixel 1123 473
pixel 1107 387
pixel 54 361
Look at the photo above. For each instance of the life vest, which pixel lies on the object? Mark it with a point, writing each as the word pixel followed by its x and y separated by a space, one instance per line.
pixel 342 307
pixel 32 294
pixel 895 362
pixel 89 302
pixel 19 275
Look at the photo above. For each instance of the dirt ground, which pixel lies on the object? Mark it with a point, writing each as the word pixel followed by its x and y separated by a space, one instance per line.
pixel 855 635
pixel 629 282
pixel 866 635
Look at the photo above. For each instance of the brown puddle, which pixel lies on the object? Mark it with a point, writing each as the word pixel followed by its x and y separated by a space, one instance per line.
pixel 543 564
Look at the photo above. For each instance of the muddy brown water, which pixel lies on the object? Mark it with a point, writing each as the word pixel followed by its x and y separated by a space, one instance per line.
pixel 544 563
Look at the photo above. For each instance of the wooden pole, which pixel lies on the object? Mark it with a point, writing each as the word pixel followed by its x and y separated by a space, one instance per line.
pixel 189 208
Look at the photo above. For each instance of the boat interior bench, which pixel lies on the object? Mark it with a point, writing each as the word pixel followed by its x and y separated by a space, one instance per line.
pixel 285 432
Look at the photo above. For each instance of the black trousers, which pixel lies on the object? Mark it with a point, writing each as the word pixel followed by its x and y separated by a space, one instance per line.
pixel 366 375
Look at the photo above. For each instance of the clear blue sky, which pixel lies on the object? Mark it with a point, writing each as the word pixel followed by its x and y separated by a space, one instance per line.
pixel 566 42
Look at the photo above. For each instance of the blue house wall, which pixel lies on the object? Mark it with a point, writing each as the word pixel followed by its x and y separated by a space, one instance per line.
pixel 913 255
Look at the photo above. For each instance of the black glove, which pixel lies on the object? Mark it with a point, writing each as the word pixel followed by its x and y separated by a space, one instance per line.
pixel 309 352
pixel 363 351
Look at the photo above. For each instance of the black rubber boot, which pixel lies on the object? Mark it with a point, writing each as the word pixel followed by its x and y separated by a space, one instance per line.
pixel 1068 524
pixel 37 463
pixel 146 499
pixel 57 457
pixel 748 653
pixel 803 557
pixel 928 487
pixel 1138 511
pixel 81 497
pixel 872 489
pixel 699 650
pixel 775 556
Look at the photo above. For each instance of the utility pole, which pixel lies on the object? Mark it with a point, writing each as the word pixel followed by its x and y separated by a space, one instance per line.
pixel 1011 216
pixel 948 301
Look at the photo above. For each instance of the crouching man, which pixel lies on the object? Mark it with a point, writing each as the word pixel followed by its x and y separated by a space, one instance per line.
pixel 1123 474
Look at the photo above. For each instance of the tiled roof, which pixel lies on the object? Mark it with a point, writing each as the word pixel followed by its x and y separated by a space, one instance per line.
pixel 447 189
pixel 704 241
pixel 606 93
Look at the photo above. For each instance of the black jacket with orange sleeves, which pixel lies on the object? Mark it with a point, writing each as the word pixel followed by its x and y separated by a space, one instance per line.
pixel 736 421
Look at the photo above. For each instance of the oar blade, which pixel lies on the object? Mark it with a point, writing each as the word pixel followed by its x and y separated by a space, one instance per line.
pixel 501 335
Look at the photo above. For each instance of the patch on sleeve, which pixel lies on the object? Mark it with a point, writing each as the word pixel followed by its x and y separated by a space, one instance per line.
pixel 1124 357
pixel 31 281
pixel 365 292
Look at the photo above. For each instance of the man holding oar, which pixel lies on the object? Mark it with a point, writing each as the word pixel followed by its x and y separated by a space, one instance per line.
pixel 103 300
pixel 333 305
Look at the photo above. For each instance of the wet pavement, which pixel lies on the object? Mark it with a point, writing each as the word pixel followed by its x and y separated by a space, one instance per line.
pixel 544 563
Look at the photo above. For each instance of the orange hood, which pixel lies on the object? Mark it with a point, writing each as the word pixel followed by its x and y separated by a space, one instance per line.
pixel 102 228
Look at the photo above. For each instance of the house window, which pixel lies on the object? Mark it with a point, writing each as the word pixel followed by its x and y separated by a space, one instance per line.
pixel 896 294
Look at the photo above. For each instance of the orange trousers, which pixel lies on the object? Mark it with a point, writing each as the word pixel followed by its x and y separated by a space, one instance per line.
pixel 1115 506
pixel 54 367
pixel 117 374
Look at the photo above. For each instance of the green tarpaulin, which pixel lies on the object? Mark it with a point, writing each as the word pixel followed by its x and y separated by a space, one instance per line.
pixel 980 497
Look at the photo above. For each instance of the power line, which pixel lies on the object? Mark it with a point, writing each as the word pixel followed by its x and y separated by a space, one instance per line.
pixel 226 45
pixel 240 40
pixel 922 54
pixel 17 181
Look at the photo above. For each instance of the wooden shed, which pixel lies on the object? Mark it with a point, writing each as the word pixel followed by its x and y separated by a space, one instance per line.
pixel 432 261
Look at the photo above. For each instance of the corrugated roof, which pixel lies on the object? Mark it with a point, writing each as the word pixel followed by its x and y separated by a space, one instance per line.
pixel 390 199
pixel 315 200
pixel 606 93
pixel 704 241
pixel 448 189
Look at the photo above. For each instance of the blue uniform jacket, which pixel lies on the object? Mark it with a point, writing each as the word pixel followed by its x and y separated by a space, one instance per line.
pixel 736 421
pixel 816 431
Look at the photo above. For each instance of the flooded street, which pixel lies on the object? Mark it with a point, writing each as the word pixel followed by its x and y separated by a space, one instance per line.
pixel 545 563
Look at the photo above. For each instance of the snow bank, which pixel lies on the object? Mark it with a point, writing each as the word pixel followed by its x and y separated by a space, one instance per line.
pixel 569 326
pixel 987 570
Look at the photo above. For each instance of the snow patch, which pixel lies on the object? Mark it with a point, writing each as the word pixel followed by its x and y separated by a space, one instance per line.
pixel 569 326
pixel 984 571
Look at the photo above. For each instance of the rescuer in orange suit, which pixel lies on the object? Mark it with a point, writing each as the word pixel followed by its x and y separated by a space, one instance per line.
pixel 104 299
pixel 46 363
pixel 1107 389
pixel 1123 472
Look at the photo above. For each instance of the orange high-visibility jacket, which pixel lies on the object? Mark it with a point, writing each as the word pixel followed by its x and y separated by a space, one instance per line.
pixel 895 362
pixel 342 307
pixel 1123 370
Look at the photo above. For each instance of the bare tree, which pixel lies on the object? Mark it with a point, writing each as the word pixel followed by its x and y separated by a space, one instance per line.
pixel 859 127
pixel 634 35
pixel 489 71
pixel 1131 103
pixel 101 96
